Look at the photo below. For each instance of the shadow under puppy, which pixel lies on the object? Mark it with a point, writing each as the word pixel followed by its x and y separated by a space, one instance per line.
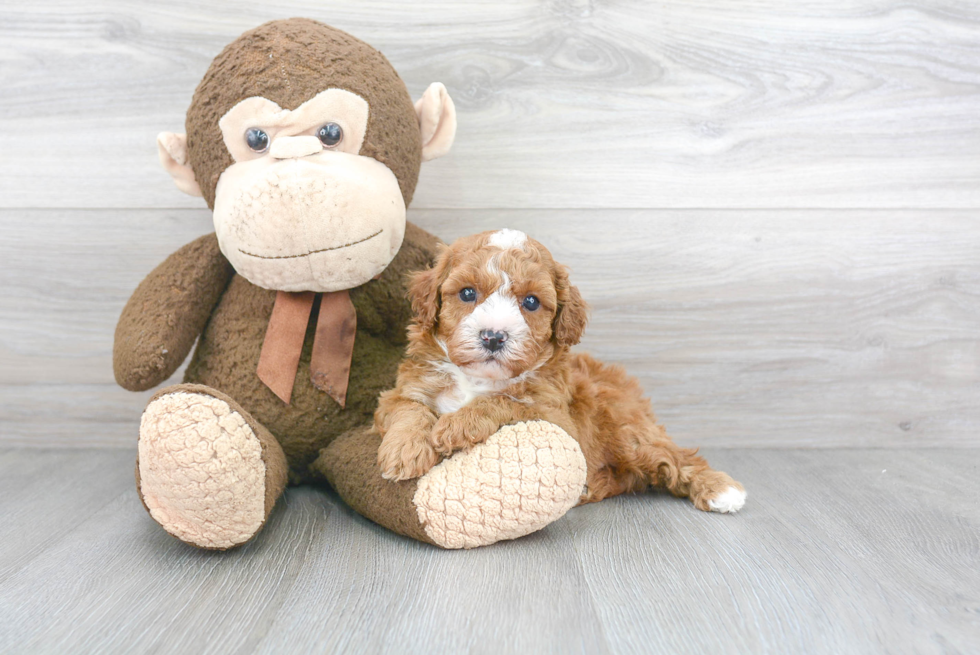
pixel 489 346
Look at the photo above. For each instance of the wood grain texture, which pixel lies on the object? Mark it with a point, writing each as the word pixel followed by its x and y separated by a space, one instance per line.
pixel 752 317
pixel 564 103
pixel 747 328
pixel 851 551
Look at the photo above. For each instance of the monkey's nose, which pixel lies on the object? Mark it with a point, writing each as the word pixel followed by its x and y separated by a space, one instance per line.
pixel 493 340
pixel 294 147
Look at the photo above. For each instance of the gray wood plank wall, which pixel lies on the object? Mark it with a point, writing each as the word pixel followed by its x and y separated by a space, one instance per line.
pixel 772 206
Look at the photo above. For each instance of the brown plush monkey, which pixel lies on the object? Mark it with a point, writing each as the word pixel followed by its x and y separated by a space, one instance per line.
pixel 305 144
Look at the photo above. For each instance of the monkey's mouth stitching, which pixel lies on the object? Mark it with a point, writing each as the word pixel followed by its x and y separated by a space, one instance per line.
pixel 313 252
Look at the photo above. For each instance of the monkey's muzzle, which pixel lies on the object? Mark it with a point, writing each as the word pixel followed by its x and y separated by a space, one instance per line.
pixel 321 223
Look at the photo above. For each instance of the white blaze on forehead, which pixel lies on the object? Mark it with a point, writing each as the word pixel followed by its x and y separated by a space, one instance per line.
pixel 507 239
pixel 492 267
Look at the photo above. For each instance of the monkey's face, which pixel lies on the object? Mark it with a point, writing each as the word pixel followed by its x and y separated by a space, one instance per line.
pixel 300 209
pixel 305 143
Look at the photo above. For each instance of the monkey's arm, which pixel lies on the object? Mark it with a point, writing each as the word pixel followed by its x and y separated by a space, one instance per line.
pixel 383 308
pixel 167 312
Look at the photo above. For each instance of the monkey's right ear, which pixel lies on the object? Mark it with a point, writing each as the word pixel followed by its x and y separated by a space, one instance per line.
pixel 173 155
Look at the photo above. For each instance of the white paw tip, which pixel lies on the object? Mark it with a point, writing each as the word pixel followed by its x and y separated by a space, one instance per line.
pixel 729 501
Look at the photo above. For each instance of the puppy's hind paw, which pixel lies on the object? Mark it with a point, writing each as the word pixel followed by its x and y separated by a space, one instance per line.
pixel 729 501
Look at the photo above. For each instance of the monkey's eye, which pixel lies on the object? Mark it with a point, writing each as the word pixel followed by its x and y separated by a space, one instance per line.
pixel 256 139
pixel 530 303
pixel 330 135
pixel 468 294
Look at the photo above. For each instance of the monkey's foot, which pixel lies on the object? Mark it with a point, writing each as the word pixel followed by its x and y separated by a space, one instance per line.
pixel 207 472
pixel 519 480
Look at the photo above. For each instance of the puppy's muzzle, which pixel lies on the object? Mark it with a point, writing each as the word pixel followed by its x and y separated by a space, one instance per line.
pixel 493 340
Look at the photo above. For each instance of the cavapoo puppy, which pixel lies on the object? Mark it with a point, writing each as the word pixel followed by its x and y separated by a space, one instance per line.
pixel 489 346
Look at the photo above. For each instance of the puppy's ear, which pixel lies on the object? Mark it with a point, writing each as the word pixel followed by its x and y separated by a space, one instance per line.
pixel 423 291
pixel 573 312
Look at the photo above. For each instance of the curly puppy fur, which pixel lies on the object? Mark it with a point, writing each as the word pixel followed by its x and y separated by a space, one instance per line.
pixel 489 346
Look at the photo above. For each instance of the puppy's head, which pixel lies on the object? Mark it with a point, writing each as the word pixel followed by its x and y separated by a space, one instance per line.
pixel 498 304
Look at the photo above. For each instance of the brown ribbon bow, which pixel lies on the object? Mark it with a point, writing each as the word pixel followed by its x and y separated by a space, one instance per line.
pixel 333 344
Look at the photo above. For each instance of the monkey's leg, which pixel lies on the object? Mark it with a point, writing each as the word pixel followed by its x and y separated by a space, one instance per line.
pixel 519 480
pixel 207 472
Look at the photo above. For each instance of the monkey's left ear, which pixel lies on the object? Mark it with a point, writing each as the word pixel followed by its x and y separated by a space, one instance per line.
pixel 437 121
pixel 172 149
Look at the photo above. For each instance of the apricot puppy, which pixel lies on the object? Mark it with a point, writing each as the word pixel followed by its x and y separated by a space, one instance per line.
pixel 489 346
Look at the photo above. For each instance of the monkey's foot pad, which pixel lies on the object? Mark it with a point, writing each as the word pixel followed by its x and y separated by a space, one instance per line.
pixel 522 478
pixel 201 471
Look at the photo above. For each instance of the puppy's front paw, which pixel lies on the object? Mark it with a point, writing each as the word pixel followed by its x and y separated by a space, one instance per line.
pixel 404 456
pixel 460 430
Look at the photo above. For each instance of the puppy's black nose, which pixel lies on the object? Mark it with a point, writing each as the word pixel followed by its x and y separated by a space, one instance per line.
pixel 493 340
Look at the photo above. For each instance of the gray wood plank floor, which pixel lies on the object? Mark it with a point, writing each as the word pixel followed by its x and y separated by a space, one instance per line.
pixel 837 551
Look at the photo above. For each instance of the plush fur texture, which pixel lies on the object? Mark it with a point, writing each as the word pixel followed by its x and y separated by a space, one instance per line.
pixel 289 62
pixel 349 464
pixel 220 493
pixel 228 351
pixel 195 437
pixel 455 389
pixel 167 312
pixel 521 479
pixel 523 476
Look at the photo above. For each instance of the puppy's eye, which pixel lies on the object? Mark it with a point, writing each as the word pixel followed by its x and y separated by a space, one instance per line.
pixel 256 139
pixel 468 294
pixel 330 135
pixel 531 303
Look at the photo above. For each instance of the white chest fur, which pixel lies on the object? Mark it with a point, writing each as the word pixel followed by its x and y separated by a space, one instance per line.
pixel 465 388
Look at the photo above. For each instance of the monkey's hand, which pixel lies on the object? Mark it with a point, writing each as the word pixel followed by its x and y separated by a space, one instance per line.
pixel 167 312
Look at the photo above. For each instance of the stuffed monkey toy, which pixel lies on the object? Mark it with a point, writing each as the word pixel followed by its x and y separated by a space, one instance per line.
pixel 306 146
